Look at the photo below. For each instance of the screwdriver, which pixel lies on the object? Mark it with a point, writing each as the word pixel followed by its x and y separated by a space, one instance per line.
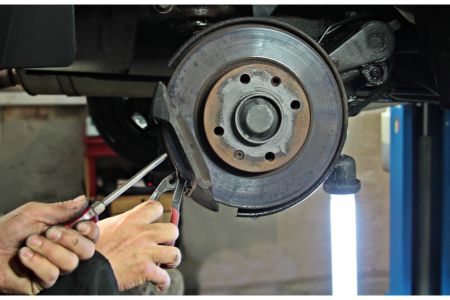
pixel 99 206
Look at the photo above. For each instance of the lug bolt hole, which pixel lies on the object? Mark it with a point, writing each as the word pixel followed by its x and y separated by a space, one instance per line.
pixel 295 105
pixel 276 81
pixel 245 78
pixel 269 156
pixel 219 131
pixel 239 155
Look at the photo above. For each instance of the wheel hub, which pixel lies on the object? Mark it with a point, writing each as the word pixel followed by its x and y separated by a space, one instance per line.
pixel 256 117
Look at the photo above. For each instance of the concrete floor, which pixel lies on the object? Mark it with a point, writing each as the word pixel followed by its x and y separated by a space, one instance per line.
pixel 41 158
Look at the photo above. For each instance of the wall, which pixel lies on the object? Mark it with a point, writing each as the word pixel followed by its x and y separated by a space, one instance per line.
pixel 41 154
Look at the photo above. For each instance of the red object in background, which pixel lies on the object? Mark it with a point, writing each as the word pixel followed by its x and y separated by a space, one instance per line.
pixel 94 147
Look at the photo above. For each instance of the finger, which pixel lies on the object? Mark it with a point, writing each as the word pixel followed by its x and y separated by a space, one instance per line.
pixel 13 283
pixel 36 287
pixel 18 279
pixel 45 271
pixel 147 212
pixel 72 240
pixel 167 255
pixel 157 276
pixel 162 233
pixel 89 229
pixel 45 214
pixel 59 256
pixel 62 212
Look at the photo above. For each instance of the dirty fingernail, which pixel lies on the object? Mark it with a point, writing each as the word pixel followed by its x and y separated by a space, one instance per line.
pixel 83 228
pixel 35 241
pixel 54 234
pixel 26 253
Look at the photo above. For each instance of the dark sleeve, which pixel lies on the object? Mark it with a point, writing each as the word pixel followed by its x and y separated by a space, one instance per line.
pixel 92 277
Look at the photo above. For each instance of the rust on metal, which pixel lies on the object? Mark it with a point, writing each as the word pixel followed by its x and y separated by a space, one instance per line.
pixel 230 90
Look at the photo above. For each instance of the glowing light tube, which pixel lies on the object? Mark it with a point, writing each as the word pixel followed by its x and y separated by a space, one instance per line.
pixel 343 245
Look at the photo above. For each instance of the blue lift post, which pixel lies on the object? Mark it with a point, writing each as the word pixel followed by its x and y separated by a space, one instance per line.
pixel 401 195
pixel 407 272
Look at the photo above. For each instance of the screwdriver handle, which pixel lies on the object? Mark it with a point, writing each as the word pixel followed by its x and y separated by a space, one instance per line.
pixel 87 214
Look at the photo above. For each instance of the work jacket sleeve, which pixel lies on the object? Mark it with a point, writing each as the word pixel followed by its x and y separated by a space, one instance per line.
pixel 92 277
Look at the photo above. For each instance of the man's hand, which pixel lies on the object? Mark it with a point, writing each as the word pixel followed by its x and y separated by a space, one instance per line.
pixel 41 259
pixel 135 248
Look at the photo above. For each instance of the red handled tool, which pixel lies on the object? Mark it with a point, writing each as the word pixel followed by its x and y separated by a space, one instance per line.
pixel 95 209
pixel 175 184
pixel 176 202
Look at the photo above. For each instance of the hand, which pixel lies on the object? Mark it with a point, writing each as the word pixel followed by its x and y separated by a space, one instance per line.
pixel 134 247
pixel 42 259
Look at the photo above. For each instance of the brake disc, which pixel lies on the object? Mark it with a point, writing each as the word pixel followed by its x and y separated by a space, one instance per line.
pixel 260 114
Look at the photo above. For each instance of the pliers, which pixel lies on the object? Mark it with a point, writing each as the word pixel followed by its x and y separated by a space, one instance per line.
pixel 171 183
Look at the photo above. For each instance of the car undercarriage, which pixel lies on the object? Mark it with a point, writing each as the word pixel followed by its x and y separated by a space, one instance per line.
pixel 250 101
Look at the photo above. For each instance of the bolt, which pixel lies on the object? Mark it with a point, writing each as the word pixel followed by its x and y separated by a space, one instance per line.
pixel 239 155
pixel 139 120
pixel 376 73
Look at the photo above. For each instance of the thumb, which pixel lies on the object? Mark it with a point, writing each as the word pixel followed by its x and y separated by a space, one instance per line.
pixel 62 212
pixel 147 212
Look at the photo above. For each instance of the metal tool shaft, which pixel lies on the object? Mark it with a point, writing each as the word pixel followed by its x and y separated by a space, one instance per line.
pixel 111 197
pixel 167 184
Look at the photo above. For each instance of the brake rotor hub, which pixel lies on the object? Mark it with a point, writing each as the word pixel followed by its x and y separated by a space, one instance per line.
pixel 256 117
